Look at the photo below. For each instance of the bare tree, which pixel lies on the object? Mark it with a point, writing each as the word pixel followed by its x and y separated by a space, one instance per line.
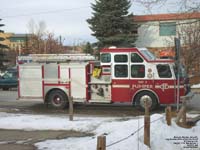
pixel 31 26
pixel 42 41
pixel 181 5
pixel 35 42
pixel 189 5
pixel 190 38
pixel 52 45
pixel 149 4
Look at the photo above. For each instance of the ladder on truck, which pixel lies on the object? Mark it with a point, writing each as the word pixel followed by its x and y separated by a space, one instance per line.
pixel 42 58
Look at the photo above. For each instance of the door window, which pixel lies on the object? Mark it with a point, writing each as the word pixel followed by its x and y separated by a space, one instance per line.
pixel 137 71
pixel 164 71
pixel 121 71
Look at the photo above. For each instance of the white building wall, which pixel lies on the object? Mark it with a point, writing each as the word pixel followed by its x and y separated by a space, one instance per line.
pixel 148 34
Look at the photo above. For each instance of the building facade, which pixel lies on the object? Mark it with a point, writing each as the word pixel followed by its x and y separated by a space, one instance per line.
pixel 6 37
pixel 14 41
pixel 15 44
pixel 157 31
pixel 18 42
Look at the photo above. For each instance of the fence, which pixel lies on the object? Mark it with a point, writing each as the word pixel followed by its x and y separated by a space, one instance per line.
pixel 181 119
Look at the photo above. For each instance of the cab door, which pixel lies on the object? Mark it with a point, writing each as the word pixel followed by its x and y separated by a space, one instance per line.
pixel 165 84
pixel 120 77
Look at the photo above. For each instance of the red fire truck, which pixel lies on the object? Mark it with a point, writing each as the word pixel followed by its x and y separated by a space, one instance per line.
pixel 124 75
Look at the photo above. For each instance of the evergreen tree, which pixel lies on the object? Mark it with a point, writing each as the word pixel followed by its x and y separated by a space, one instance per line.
pixel 2 47
pixel 1 38
pixel 1 59
pixel 88 48
pixel 111 23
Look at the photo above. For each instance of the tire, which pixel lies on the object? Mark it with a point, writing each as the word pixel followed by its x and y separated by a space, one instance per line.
pixel 5 89
pixel 139 100
pixel 58 99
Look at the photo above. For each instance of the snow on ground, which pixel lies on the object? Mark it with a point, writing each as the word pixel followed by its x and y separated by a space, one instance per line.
pixel 196 86
pixel 115 128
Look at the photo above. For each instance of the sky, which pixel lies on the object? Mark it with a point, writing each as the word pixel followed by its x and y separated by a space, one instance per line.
pixel 65 18
pixel 122 133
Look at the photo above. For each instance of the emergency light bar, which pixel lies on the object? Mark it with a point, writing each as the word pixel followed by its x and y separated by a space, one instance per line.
pixel 55 58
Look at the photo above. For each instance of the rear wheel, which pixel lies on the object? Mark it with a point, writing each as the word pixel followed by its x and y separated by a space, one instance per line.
pixel 142 96
pixel 58 99
pixel 5 89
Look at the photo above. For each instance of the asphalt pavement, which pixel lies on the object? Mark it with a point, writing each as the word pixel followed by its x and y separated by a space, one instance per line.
pixel 9 99
pixel 8 95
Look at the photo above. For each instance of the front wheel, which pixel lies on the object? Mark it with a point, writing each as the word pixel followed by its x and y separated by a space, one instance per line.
pixel 58 99
pixel 142 96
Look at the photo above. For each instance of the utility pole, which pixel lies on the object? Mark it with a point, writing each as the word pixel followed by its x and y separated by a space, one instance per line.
pixel 177 58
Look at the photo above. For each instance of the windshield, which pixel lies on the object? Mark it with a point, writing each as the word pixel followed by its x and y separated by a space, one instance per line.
pixel 8 75
pixel 148 54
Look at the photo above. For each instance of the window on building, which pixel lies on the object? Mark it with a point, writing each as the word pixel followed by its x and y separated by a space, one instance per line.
pixel 167 28
pixel 164 71
pixel 136 58
pixel 121 71
pixel 106 58
pixel 121 58
pixel 137 71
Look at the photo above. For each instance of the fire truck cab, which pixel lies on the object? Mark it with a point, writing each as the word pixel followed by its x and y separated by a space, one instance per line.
pixel 124 75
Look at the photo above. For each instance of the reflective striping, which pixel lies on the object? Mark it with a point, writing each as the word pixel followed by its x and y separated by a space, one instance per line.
pixel 46 80
pixel 165 86
pixel 121 86
pixel 181 86
pixel 62 80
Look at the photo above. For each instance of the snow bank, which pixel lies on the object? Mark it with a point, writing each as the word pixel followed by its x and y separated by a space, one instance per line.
pixel 129 131
pixel 44 122
pixel 196 86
